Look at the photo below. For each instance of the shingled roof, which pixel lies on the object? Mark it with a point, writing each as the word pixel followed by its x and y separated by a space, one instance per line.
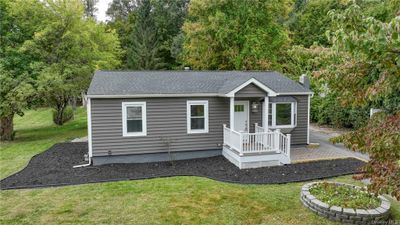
pixel 130 83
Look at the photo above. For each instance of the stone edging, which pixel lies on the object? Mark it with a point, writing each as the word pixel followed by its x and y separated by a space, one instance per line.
pixel 344 215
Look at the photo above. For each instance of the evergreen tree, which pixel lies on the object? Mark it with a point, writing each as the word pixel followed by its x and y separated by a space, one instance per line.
pixel 143 53
pixel 90 7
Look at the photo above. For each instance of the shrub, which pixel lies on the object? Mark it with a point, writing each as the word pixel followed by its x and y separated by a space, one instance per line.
pixel 327 110
pixel 62 116
pixel 381 140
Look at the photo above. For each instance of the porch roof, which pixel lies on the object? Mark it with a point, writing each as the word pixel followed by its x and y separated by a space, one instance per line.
pixel 190 83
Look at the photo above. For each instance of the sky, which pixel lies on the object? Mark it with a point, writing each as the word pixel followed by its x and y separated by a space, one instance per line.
pixel 102 6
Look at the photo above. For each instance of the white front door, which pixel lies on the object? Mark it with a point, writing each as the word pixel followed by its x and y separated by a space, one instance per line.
pixel 241 116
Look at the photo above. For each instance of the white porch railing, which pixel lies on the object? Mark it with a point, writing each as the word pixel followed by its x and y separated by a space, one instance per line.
pixel 258 129
pixel 258 142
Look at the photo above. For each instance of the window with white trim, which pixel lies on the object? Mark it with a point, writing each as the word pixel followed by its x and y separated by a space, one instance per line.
pixel 134 119
pixel 197 117
pixel 282 114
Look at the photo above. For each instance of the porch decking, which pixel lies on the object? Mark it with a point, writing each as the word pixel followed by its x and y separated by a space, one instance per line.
pixel 258 149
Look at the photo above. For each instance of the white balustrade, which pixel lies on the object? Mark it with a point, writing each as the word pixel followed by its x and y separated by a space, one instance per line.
pixel 258 142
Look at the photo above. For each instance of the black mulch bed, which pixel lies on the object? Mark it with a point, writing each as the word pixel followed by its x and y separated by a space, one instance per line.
pixel 54 168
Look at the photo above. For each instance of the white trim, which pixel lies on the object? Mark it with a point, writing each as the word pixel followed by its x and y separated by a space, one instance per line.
pixel 256 82
pixel 188 116
pixel 293 119
pixel 273 115
pixel 187 95
pixel 248 113
pixel 159 95
pixel 296 93
pixel 125 133
pixel 265 112
pixel 308 120
pixel 89 126
pixel 232 113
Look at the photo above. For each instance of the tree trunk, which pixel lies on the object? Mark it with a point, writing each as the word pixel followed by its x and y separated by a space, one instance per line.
pixel 73 103
pixel 59 120
pixel 7 128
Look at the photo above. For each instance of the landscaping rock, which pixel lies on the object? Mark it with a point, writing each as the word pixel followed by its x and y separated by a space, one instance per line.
pixel 345 215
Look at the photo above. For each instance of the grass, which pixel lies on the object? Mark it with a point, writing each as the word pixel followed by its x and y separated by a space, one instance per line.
pixel 35 132
pixel 344 196
pixel 176 200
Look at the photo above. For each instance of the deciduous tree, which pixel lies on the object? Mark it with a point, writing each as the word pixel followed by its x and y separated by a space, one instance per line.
pixel 67 50
pixel 370 75
pixel 18 22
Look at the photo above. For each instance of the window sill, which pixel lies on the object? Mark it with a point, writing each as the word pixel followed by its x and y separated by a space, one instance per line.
pixel 197 132
pixel 134 135
pixel 282 127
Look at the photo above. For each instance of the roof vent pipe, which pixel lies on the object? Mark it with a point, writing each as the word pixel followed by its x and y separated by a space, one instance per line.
pixel 304 81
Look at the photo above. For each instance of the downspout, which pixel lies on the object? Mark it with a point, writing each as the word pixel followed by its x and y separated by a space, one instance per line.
pixel 84 165
pixel 89 125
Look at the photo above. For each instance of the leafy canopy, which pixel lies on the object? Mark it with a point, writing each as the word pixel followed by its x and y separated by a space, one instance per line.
pixel 235 34
pixel 66 51
pixel 19 21
pixel 149 31
pixel 369 74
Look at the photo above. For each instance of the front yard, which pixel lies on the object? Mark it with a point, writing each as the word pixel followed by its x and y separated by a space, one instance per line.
pixel 176 200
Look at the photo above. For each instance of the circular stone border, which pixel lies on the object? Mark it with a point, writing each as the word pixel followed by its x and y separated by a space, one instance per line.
pixel 344 215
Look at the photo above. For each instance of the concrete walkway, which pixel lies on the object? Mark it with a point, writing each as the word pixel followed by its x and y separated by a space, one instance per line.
pixel 325 150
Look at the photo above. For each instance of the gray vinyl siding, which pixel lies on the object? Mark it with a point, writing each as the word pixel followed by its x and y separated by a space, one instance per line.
pixel 299 133
pixel 250 91
pixel 166 118
pixel 255 117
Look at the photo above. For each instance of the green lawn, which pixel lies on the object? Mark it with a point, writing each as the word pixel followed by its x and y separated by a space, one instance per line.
pixel 177 200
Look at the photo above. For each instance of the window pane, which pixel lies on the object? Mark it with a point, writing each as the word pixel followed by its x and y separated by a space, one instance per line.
pixel 134 125
pixel 283 114
pixel 134 119
pixel 197 110
pixel 239 108
pixel 197 123
pixel 134 113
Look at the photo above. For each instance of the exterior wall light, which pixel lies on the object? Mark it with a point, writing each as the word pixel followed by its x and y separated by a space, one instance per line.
pixel 254 107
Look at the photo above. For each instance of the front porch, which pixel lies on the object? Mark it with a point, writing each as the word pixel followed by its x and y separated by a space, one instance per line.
pixel 258 149
pixel 253 138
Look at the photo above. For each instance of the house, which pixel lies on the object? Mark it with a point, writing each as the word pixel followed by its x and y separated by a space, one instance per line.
pixel 251 118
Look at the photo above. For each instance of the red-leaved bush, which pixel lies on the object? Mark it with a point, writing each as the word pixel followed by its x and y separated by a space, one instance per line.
pixel 381 140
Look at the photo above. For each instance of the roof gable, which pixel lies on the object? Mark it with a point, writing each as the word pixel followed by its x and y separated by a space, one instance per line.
pixel 251 90
pixel 255 82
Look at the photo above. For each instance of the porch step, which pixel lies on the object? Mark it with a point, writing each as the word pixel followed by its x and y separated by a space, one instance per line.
pixel 254 160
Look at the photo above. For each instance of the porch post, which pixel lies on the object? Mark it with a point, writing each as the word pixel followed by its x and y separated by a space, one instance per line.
pixel 265 113
pixel 232 113
pixel 277 134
